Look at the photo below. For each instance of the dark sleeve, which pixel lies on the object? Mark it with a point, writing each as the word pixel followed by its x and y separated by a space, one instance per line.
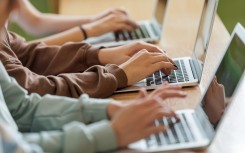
pixel 96 81
pixel 53 60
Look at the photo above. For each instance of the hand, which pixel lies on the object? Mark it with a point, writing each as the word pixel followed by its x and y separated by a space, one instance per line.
pixel 120 54
pixel 144 63
pixel 130 128
pixel 111 11
pixel 109 23
pixel 165 91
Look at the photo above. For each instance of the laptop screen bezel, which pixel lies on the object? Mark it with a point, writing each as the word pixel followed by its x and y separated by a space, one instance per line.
pixel 195 61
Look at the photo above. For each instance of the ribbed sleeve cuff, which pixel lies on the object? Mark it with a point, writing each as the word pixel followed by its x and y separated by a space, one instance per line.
pixel 97 137
pixel 50 141
pixel 104 136
pixel 92 56
pixel 94 109
pixel 120 75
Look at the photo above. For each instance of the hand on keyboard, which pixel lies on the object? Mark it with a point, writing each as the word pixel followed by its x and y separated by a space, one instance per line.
pixel 111 21
pixel 133 120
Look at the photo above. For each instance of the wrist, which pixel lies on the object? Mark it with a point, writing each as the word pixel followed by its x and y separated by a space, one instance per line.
pixel 126 70
pixel 89 30
pixel 103 56
pixel 112 108
pixel 83 31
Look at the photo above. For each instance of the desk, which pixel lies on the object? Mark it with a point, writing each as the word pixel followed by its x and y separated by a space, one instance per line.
pixel 179 31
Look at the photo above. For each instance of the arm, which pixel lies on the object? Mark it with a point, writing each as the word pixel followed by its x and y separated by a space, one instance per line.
pixel 38 23
pixel 49 70
pixel 12 142
pixel 135 64
pixel 33 113
pixel 76 137
pixel 65 28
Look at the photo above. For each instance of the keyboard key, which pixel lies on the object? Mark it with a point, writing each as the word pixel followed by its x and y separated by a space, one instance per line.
pixel 120 36
pixel 149 81
pixel 138 33
pixel 134 35
pixel 126 34
pixel 144 30
pixel 116 34
pixel 169 132
pixel 158 81
pixel 157 74
pixel 186 128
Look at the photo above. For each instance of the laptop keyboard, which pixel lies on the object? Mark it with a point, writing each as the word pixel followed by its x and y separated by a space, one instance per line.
pixel 177 132
pixel 139 33
pixel 176 76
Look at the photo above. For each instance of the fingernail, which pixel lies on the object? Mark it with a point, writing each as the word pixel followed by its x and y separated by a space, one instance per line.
pixel 176 66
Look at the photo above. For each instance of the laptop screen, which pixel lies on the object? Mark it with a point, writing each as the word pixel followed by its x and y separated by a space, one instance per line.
pixel 203 35
pixel 227 76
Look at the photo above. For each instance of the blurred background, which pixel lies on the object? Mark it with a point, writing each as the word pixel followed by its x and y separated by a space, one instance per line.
pixel 230 12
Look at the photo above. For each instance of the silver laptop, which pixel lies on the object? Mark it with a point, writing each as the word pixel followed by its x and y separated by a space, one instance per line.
pixel 197 128
pixel 149 31
pixel 189 68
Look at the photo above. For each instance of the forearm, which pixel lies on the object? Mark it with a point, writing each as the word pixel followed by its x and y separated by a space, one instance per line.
pixel 53 60
pixel 35 113
pixel 52 23
pixel 76 137
pixel 38 23
pixel 71 35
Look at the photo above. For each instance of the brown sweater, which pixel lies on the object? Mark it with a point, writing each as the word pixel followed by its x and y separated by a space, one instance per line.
pixel 68 70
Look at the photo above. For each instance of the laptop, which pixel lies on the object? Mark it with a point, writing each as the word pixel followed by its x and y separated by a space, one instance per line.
pixel 149 31
pixel 189 68
pixel 197 128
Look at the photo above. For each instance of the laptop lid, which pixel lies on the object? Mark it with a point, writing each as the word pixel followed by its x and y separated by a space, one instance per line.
pixel 218 96
pixel 203 35
pixel 159 12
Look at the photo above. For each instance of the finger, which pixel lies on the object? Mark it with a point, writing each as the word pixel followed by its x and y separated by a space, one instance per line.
pixel 171 113
pixel 160 65
pixel 164 88
pixel 158 57
pixel 150 47
pixel 130 22
pixel 123 11
pixel 142 93
pixel 149 104
pixel 166 71
pixel 115 11
pixel 157 114
pixel 167 86
pixel 170 60
pixel 153 130
pixel 162 57
pixel 124 26
pixel 171 94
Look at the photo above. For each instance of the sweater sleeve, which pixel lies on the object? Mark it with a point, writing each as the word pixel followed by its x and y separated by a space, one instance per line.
pixel 34 113
pixel 76 137
pixel 44 77
pixel 50 116
pixel 53 60
pixel 11 141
